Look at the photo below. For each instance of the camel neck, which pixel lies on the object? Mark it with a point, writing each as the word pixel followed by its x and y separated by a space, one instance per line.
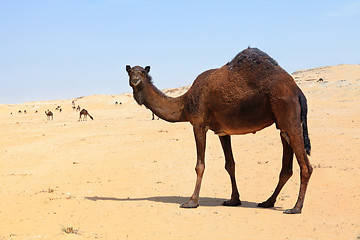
pixel 167 108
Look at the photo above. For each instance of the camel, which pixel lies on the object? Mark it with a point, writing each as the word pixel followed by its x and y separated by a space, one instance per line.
pixel 85 113
pixel 49 115
pixel 247 94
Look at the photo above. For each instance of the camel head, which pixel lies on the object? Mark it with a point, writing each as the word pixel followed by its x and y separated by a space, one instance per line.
pixel 138 79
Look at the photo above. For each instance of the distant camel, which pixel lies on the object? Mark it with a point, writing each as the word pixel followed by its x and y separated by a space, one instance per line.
pixel 85 113
pixel 320 80
pixel 49 115
pixel 244 96
pixel 19 111
pixel 78 108
pixel 58 108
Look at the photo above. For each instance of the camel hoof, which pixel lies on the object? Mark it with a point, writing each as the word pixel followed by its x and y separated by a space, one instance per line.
pixel 266 204
pixel 293 211
pixel 232 202
pixel 189 204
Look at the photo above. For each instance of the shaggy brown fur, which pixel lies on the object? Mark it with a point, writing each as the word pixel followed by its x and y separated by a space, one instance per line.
pixel 85 113
pixel 244 96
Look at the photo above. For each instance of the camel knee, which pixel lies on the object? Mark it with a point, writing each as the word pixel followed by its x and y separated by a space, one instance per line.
pixel 199 169
pixel 310 169
pixel 306 174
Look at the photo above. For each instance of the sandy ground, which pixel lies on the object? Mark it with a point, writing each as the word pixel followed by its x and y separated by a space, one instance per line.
pixel 123 176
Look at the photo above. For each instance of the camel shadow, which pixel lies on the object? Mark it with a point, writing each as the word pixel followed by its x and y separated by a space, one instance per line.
pixel 204 201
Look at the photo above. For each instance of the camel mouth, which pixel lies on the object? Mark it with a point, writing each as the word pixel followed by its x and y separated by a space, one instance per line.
pixel 136 82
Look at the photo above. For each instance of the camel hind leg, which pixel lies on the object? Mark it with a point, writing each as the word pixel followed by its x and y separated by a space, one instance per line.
pixel 287 113
pixel 306 169
pixel 286 171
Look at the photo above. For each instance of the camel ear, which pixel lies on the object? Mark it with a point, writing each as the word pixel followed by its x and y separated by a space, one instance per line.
pixel 147 69
pixel 128 68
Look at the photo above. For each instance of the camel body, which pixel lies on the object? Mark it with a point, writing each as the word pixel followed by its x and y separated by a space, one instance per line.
pixel 244 96
pixel 49 115
pixel 83 115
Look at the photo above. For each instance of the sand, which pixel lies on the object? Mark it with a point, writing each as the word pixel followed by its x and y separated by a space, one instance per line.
pixel 123 176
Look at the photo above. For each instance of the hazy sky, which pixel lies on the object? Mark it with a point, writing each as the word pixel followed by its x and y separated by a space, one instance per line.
pixel 62 49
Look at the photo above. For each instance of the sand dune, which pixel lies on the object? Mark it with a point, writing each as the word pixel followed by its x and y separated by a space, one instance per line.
pixel 123 176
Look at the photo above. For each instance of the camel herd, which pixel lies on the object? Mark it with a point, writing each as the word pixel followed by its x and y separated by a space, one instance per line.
pixel 246 95
pixel 50 115
pixel 83 113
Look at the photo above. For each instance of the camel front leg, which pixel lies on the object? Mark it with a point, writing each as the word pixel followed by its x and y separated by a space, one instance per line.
pixel 200 139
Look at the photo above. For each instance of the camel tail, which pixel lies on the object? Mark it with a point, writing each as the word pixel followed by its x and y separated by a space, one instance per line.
pixel 304 110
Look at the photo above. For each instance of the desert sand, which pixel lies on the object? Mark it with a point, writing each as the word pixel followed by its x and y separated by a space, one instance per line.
pixel 123 176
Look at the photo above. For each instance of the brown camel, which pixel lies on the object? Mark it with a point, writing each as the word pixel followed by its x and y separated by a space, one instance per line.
pixel 244 96
pixel 49 115
pixel 85 113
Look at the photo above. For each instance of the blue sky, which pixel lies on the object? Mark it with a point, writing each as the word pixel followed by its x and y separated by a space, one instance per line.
pixel 62 49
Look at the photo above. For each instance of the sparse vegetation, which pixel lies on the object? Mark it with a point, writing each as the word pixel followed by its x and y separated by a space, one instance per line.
pixel 69 230
pixel 321 166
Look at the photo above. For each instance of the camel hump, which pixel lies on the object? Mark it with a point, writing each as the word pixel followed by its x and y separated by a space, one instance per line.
pixel 252 57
